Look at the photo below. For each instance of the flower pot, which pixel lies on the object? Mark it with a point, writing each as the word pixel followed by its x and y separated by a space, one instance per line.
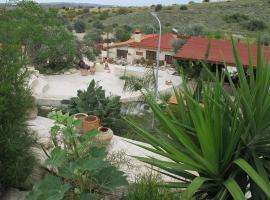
pixel 90 122
pixel 84 72
pixel 81 117
pixel 104 135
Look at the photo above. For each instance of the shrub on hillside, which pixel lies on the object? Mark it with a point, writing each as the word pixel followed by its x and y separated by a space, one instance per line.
pixel 98 25
pixel 158 7
pixel 235 17
pixel 255 25
pixel 177 44
pixel 79 26
pixel 183 7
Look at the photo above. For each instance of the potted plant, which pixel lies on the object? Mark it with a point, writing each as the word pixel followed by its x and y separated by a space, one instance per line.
pixel 84 68
pixel 90 122
pixel 104 135
pixel 80 117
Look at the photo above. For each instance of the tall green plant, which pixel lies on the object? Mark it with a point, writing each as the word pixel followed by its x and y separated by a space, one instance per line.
pixel 93 101
pixel 16 160
pixel 78 170
pixel 218 149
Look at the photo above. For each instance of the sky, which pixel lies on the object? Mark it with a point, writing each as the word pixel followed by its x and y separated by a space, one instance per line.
pixel 122 2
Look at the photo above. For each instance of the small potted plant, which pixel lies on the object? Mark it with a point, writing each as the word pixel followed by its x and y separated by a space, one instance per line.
pixel 84 68
pixel 90 122
pixel 104 135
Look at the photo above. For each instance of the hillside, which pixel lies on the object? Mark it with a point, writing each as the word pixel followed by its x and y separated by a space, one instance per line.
pixel 220 17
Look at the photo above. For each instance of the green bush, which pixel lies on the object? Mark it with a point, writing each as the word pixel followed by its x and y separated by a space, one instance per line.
pixel 16 160
pixel 177 44
pixel 147 187
pixel 79 26
pixel 94 102
pixel 98 25
pixel 235 18
pixel 224 140
pixel 81 170
pixel 158 8
pixel 183 7
pixel 255 25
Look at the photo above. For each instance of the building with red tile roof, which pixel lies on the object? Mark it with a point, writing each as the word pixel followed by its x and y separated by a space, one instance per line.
pixel 219 52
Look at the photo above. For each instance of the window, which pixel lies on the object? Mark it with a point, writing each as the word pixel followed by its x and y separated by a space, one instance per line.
pixel 151 55
pixel 168 59
pixel 139 53
pixel 122 53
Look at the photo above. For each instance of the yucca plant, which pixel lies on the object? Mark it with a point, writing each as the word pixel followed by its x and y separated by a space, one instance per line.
pixel 217 147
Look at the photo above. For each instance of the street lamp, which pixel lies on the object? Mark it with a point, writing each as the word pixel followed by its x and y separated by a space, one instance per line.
pixel 158 54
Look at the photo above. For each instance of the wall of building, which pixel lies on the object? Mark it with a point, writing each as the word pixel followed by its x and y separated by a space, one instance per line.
pixel 136 53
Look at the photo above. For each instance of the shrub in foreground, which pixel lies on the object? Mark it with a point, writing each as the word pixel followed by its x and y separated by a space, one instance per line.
pixel 224 140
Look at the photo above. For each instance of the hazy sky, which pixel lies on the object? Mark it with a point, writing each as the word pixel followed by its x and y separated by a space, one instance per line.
pixel 122 2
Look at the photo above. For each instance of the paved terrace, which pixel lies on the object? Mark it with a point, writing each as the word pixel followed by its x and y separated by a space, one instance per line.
pixel 50 90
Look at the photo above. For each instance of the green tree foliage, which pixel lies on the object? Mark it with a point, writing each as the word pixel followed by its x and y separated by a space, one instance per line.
pixel 158 7
pixel 82 169
pixel 94 102
pixel 177 44
pixel 224 140
pixel 79 26
pixel 16 160
pixel 255 25
pixel 47 42
pixel 98 25
pixel 236 18
pixel 183 7
pixel 122 35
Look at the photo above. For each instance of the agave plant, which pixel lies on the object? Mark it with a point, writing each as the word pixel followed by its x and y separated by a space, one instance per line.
pixel 217 147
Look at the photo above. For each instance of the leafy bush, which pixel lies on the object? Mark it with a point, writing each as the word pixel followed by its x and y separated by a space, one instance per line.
pixel 148 187
pixel 82 169
pixel 98 25
pixel 79 26
pixel 193 30
pixel 16 160
pixel 224 140
pixel 94 102
pixel 158 7
pixel 235 18
pixel 183 7
pixel 255 25
pixel 122 35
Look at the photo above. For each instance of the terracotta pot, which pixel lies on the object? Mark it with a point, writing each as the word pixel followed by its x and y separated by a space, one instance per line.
pixel 90 122
pixel 81 117
pixel 104 135
pixel 84 72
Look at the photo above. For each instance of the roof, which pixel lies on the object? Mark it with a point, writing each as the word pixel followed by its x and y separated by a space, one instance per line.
pixel 220 51
pixel 149 41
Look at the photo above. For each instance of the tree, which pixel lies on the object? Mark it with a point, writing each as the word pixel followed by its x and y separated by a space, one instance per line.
pixel 158 7
pixel 79 26
pixel 177 44
pixel 121 35
pixel 47 42
pixel 255 25
pixel 98 25
pixel 16 161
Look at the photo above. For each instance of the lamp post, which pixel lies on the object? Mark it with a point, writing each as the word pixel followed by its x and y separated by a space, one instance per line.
pixel 158 54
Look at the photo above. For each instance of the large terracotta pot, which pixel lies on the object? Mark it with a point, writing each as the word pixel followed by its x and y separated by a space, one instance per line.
pixel 81 117
pixel 90 122
pixel 104 135
pixel 84 72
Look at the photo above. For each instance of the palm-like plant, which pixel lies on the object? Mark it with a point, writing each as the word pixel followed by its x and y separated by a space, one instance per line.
pixel 217 148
